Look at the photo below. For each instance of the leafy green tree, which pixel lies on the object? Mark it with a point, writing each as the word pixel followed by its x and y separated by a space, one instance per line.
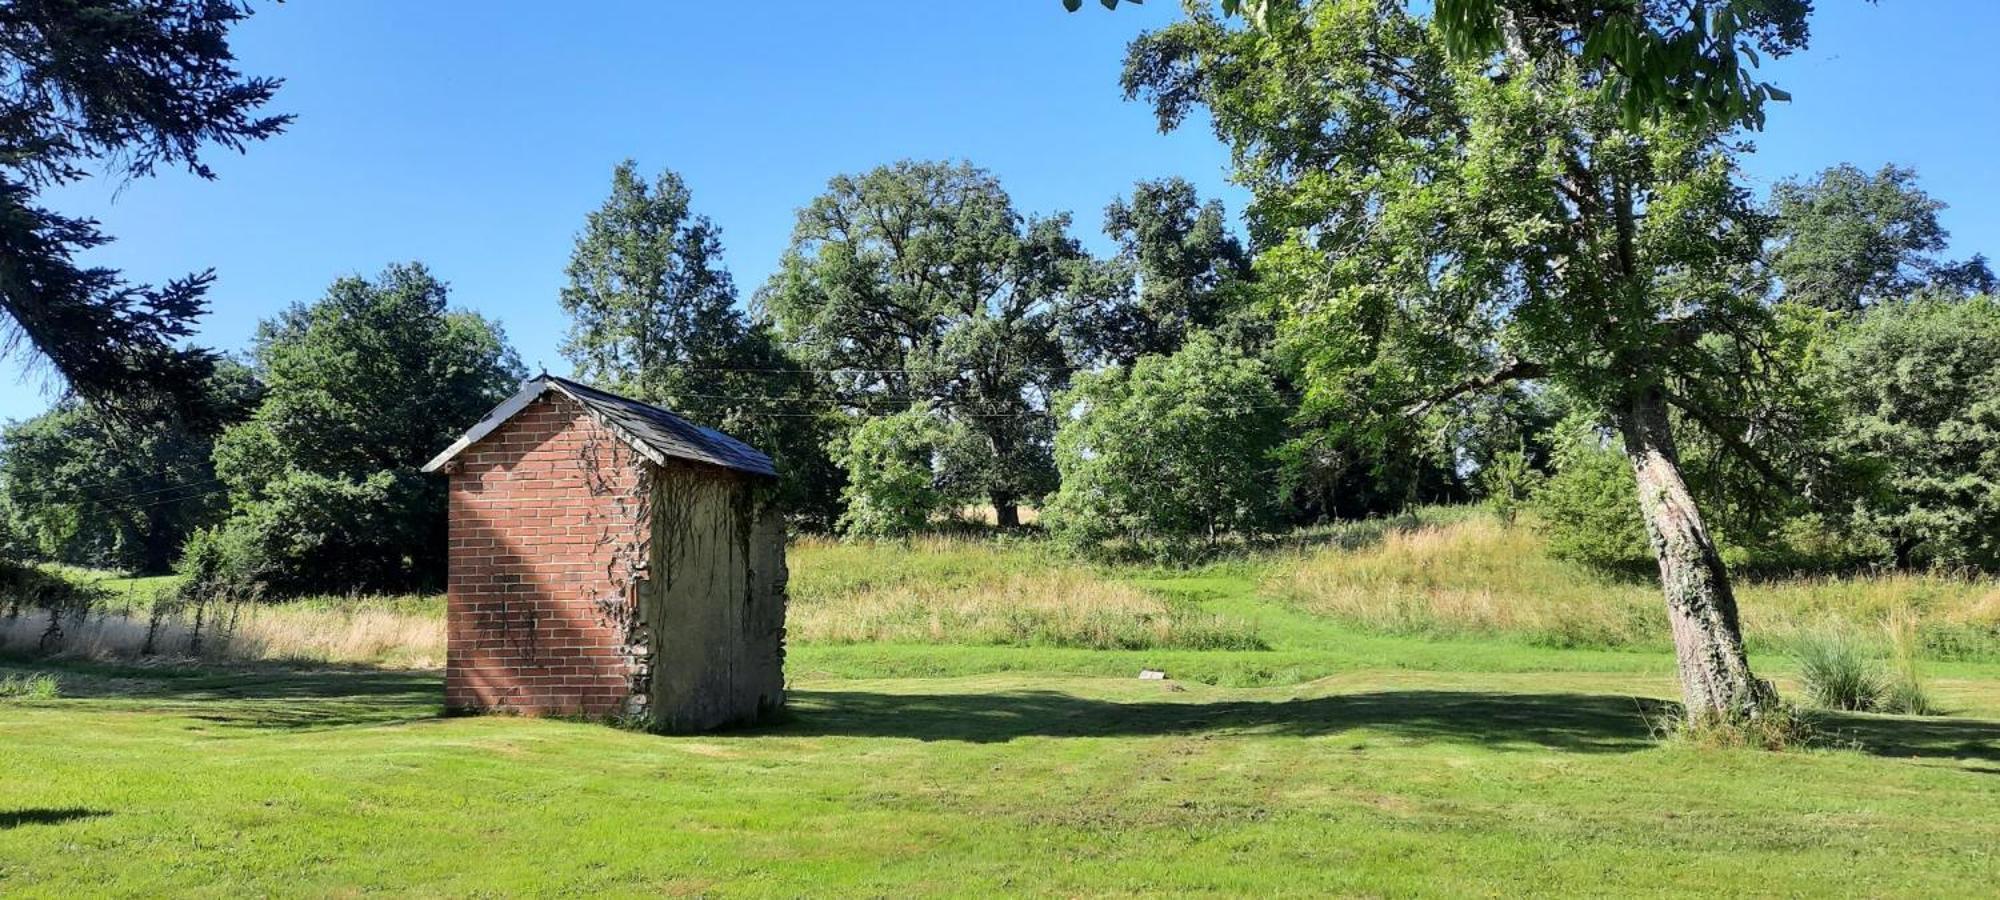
pixel 86 487
pixel 895 480
pixel 128 85
pixel 1846 239
pixel 1589 509
pixel 1187 266
pixel 652 309
pixel 1674 58
pixel 1438 227
pixel 918 284
pixel 653 316
pixel 1170 449
pixel 361 388
pixel 1919 388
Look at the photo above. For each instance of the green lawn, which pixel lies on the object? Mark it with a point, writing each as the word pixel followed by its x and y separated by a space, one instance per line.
pixel 1336 762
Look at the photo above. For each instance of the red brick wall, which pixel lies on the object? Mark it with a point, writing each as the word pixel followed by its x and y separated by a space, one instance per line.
pixel 541 549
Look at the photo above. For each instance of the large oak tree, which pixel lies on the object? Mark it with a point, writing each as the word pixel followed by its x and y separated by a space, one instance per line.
pixel 919 284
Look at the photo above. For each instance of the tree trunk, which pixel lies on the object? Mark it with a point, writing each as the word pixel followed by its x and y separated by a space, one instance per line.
pixel 1006 513
pixel 1715 674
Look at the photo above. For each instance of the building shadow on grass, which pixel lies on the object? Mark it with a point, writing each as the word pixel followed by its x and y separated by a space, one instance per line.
pixel 1567 722
pixel 270 697
pixel 15 818
pixel 1583 723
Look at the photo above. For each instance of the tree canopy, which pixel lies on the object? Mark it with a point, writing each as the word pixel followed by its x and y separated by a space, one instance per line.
pixel 653 315
pixel 361 388
pixel 1689 59
pixel 1187 270
pixel 919 283
pixel 83 487
pixel 1846 239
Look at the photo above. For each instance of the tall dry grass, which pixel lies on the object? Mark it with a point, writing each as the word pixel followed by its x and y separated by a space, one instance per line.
pixel 1477 577
pixel 958 591
pixel 398 632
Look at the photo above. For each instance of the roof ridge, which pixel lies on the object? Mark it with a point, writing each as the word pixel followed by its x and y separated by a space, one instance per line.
pixel 658 432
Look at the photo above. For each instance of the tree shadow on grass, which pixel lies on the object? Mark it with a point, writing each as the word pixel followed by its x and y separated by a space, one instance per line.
pixel 1581 723
pixel 1910 737
pixel 15 818
pixel 1567 722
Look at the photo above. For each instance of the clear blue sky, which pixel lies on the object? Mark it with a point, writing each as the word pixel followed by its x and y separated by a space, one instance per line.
pixel 474 137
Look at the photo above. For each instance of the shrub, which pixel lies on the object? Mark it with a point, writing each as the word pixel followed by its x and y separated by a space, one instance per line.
pixel 1508 482
pixel 1175 449
pixel 1837 670
pixel 1589 509
pixel 894 464
pixel 283 542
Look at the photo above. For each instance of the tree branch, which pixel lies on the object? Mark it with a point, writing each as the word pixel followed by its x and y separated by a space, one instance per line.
pixel 1516 370
pixel 1731 440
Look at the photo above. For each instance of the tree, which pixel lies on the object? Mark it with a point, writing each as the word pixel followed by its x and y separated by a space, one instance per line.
pixel 1435 227
pixel 653 316
pixel 652 310
pixel 1187 266
pixel 918 284
pixel 1846 239
pixel 132 85
pixel 362 387
pixel 1919 387
pixel 88 488
pixel 1170 449
pixel 1672 58
pixel 895 474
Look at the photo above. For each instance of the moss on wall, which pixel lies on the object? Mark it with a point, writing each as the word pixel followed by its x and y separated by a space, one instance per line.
pixel 714 602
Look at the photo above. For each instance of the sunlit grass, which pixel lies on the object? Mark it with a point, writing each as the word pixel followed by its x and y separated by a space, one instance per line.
pixel 1478 577
pixel 967 591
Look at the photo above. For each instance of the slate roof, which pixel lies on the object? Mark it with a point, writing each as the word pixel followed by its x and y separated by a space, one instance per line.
pixel 654 432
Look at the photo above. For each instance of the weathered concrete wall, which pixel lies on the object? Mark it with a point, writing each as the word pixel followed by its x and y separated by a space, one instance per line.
pixel 548 537
pixel 714 601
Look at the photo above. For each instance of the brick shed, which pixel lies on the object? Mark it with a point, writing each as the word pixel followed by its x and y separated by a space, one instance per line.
pixel 609 558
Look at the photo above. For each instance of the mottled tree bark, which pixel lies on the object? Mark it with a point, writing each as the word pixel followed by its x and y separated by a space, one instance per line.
pixel 1701 609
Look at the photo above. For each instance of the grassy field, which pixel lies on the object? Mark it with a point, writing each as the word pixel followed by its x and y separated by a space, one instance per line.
pixel 937 752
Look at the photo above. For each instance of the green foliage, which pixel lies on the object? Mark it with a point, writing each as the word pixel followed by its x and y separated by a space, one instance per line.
pixel 894 485
pixel 1589 508
pixel 1657 60
pixel 81 486
pixel 919 284
pixel 1904 688
pixel 120 88
pixel 1189 272
pixel 653 316
pixel 1918 384
pixel 1509 482
pixel 1422 269
pixel 1174 448
pixel 1846 240
pixel 362 387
